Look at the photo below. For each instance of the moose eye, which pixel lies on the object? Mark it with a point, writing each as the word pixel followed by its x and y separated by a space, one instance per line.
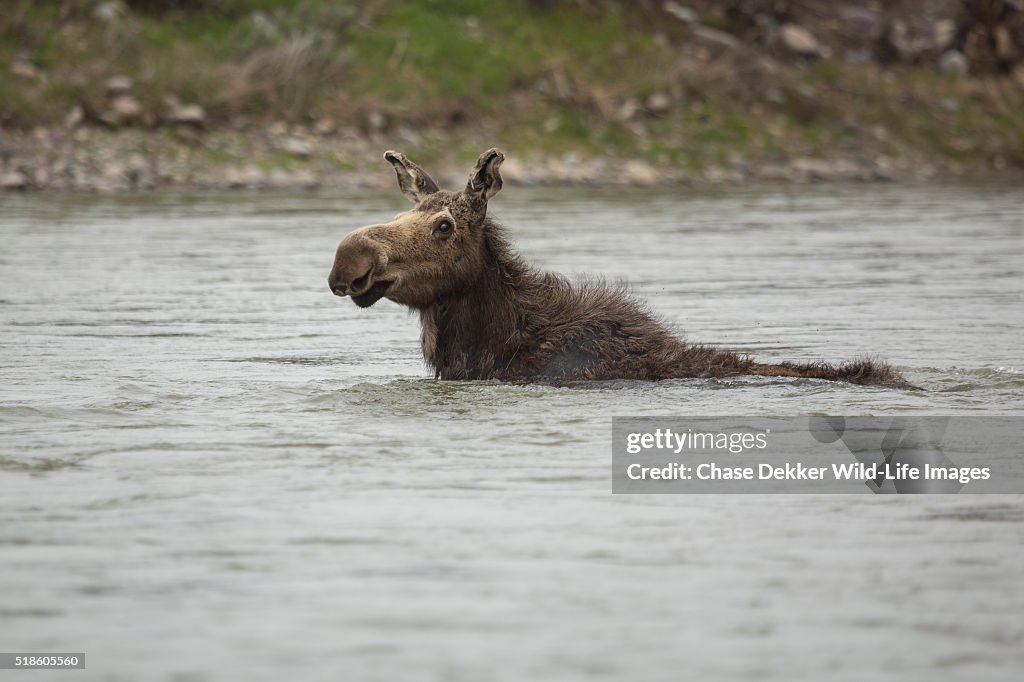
pixel 444 227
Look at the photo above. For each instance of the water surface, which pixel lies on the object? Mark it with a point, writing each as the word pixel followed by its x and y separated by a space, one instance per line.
pixel 212 468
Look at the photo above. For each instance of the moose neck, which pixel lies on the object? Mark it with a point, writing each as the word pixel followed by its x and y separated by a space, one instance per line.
pixel 472 333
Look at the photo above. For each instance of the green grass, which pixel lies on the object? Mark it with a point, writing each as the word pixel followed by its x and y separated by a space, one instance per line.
pixel 542 76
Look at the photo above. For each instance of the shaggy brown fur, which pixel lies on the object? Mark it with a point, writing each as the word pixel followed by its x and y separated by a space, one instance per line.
pixel 485 314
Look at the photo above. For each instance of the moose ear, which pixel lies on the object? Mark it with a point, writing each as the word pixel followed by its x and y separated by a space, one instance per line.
pixel 412 180
pixel 484 179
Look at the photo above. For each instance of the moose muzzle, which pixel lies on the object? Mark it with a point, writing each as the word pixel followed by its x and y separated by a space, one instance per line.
pixel 357 265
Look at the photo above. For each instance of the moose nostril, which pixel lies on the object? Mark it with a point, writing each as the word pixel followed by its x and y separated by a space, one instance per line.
pixel 360 282
pixel 338 288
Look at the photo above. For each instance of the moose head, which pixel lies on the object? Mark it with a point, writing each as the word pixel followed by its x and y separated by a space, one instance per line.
pixel 425 253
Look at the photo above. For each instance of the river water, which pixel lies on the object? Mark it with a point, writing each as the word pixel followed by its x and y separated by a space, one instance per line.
pixel 212 468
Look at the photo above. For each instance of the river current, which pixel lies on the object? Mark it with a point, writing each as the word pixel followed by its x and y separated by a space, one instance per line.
pixel 211 468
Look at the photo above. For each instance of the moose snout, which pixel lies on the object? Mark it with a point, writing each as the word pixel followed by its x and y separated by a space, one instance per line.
pixel 354 287
pixel 354 265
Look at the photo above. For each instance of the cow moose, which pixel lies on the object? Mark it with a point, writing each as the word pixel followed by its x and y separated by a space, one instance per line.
pixel 487 314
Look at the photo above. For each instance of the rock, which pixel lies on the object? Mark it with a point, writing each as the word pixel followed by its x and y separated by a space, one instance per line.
pixel 639 173
pixel 247 176
pixel 297 146
pixel 1018 75
pixel 279 178
pixel 109 12
pixel 118 85
pixel 953 63
pixel 799 40
pixel 1005 49
pixel 715 175
pixel 882 174
pixel 714 38
pixel 23 69
pixel 658 103
pixel 831 170
pixel 409 137
pixel 861 25
pixel 265 25
pixel 74 117
pixel 899 38
pixel 377 121
pixel 627 110
pixel 305 179
pixel 41 177
pixel 324 126
pixel 513 171
pixel 775 172
pixel 857 57
pixel 187 115
pixel 137 172
pixel 13 180
pixel 914 38
pixel 681 12
pixel 112 177
pixel 736 162
pixel 943 33
pixel 188 134
pixel 124 109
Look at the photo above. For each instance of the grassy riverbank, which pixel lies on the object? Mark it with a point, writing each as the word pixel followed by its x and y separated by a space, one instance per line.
pixel 242 91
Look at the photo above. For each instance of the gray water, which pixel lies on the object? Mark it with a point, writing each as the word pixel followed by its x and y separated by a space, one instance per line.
pixel 212 468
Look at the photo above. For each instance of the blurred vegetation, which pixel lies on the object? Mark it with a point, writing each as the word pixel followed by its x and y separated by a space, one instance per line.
pixel 572 76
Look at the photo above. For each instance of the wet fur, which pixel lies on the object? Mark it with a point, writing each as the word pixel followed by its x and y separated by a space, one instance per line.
pixel 486 314
pixel 515 323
